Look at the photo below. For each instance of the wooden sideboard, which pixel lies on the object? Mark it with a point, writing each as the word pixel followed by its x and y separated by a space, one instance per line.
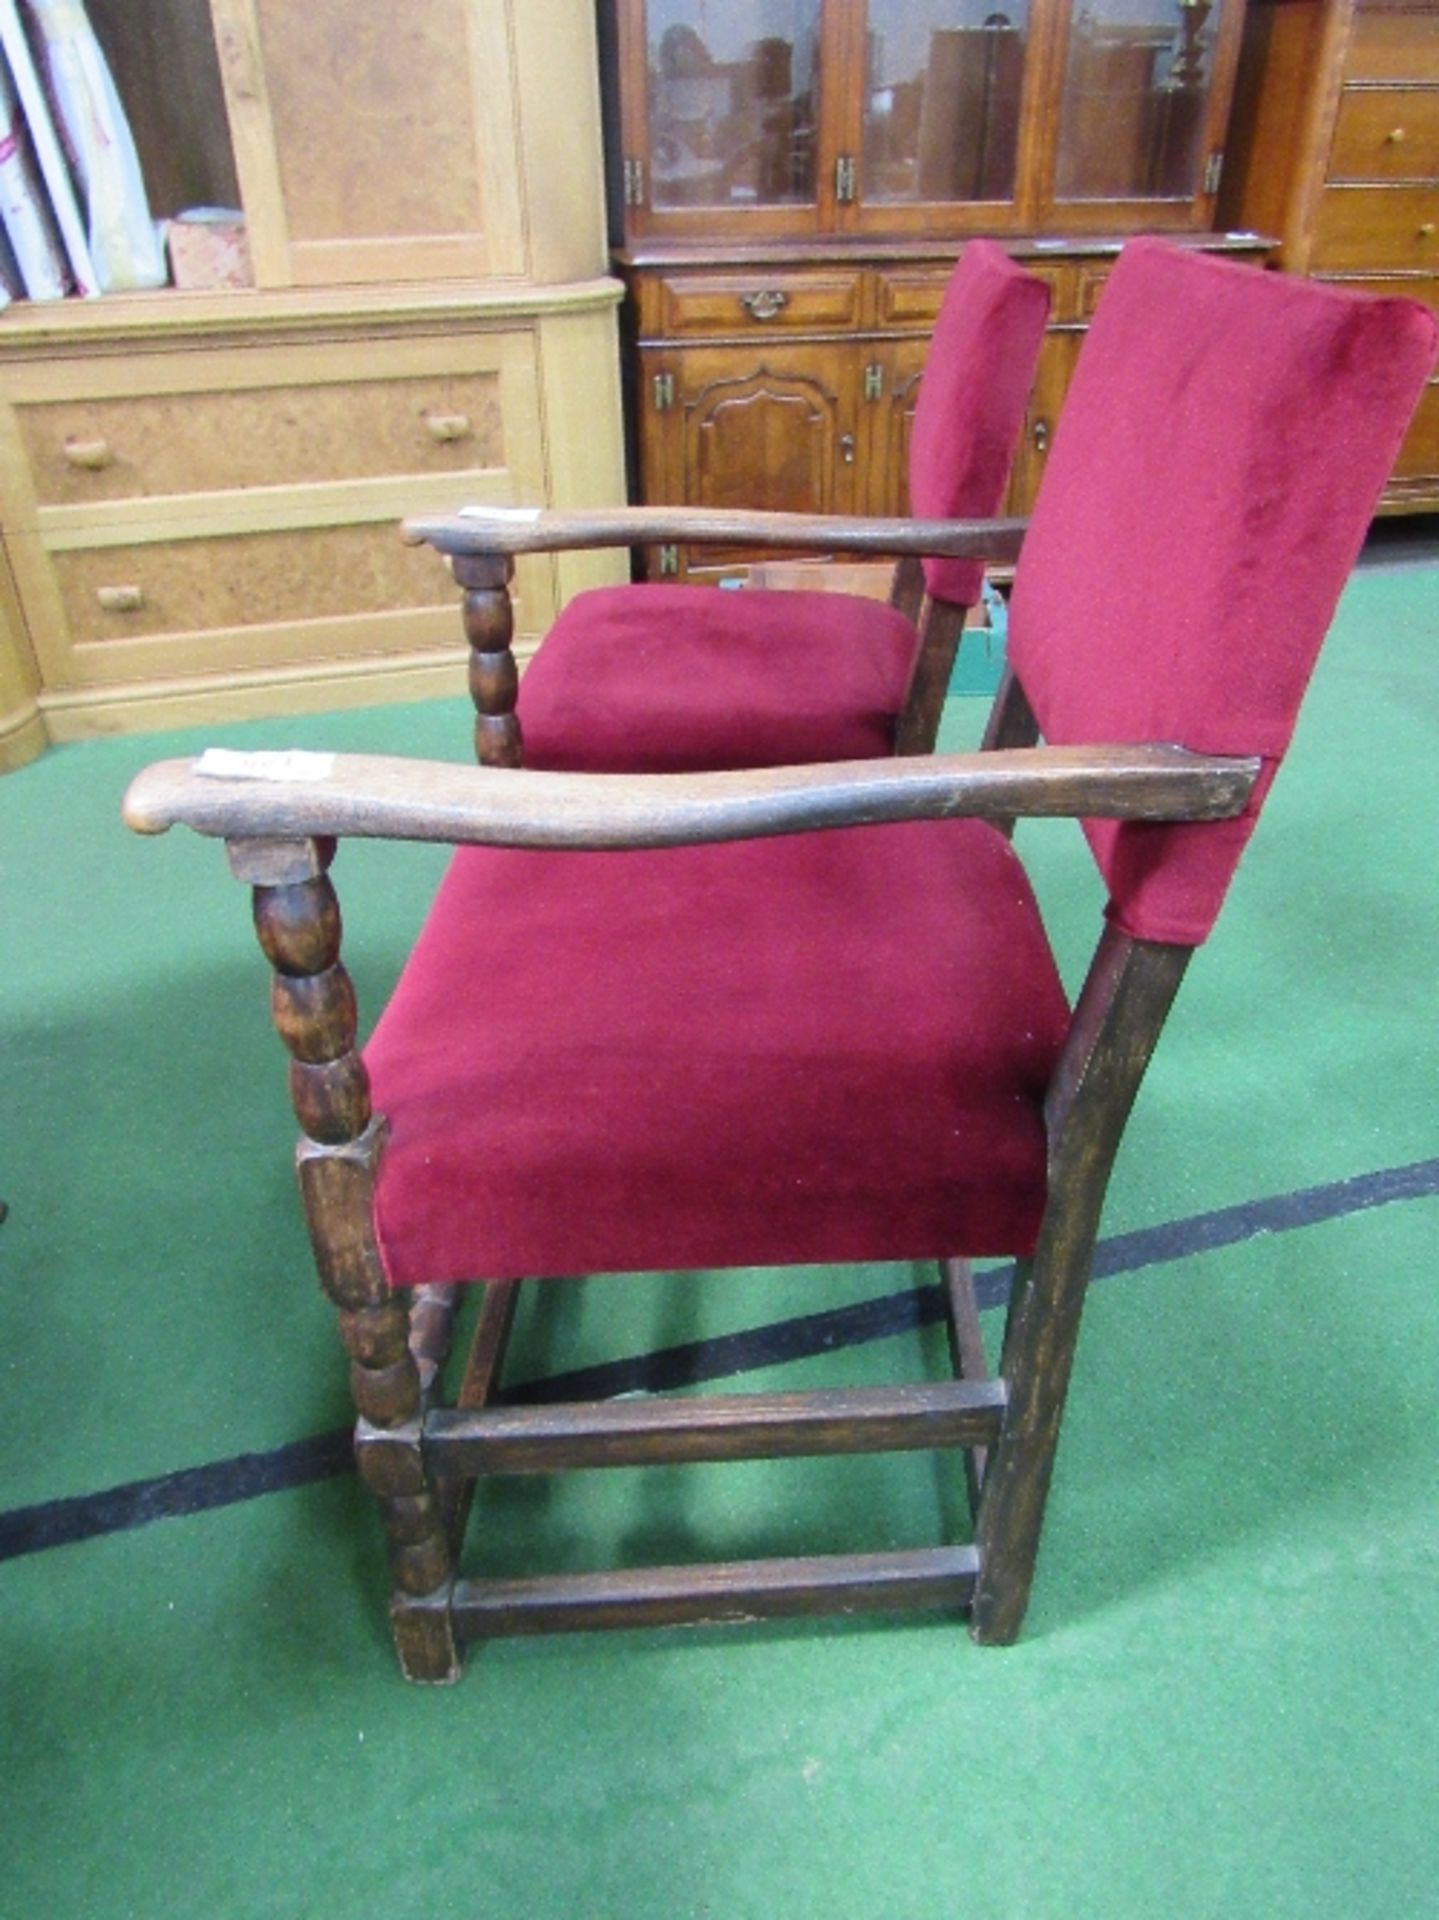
pixel 791 384
pixel 200 491
pixel 1335 150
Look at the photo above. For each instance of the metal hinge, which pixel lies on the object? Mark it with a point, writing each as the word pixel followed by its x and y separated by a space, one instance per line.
pixel 664 391
pixel 669 562
pixel 1213 167
pixel 634 181
pixel 844 179
pixel 874 381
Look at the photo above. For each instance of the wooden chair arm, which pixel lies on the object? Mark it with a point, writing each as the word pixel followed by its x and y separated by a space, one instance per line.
pixel 286 796
pixel 479 530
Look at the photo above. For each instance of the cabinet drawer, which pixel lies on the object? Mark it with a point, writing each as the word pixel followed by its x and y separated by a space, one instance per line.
pixel 1388 135
pixel 912 297
pixel 124 447
pixel 1377 227
pixel 1421 287
pixel 1393 43
pixel 746 302
pixel 1419 455
pixel 251 580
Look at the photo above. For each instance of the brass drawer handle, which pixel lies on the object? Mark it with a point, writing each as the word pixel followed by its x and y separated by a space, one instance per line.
pixel 1426 230
pixel 1040 436
pixel 846 448
pixel 1394 136
pixel 121 599
pixel 445 428
pixel 90 454
pixel 765 304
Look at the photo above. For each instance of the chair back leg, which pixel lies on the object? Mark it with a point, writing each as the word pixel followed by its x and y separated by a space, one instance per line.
pixel 939 637
pixel 1129 991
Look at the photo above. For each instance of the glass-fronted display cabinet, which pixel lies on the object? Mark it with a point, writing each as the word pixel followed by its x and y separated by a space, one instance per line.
pixel 919 116
pixel 797 177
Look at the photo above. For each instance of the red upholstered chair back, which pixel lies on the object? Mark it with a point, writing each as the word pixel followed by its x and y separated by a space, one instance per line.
pixel 966 426
pixel 1221 451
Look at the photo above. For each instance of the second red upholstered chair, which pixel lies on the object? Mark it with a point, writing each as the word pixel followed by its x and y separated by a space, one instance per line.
pixel 663 678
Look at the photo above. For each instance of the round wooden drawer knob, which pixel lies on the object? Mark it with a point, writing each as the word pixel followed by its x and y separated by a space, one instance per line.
pixel 446 428
pixel 121 599
pixel 90 454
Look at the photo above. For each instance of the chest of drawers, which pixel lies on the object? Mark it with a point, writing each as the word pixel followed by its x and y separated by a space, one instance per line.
pixel 1335 149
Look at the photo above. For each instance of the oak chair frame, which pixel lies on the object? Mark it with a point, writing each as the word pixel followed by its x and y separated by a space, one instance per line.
pixel 420 1457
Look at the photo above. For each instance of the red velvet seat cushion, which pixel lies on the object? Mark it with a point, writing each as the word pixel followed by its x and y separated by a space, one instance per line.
pixel 663 679
pixel 820 1048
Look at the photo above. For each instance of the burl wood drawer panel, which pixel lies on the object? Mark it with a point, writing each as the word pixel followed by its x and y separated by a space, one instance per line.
pixel 258 579
pixel 1377 227
pixel 123 448
pixel 1393 43
pixel 751 302
pixel 1387 135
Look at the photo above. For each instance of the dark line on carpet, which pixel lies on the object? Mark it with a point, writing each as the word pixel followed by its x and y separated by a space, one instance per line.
pixel 55 1523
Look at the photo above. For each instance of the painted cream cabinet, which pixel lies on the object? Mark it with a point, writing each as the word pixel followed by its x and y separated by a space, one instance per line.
pixel 199 491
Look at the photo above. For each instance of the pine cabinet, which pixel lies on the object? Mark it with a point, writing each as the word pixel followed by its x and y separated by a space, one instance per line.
pixel 200 490
pixel 795 178
pixel 1336 151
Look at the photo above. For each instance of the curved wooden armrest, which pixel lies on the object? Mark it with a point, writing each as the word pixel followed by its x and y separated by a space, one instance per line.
pixel 479 530
pixel 383 798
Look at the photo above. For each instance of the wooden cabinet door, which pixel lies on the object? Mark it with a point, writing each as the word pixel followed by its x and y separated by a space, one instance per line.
pixel 889 384
pixel 938 93
pixel 769 425
pixel 1057 359
pixel 373 142
pixel 727 115
pixel 1132 135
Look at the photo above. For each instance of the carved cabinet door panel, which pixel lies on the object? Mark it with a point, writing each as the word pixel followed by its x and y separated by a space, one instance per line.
pixel 769 426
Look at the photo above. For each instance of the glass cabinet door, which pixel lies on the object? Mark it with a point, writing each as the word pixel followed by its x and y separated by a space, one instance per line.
pixel 941 102
pixel 1136 108
pixel 731 124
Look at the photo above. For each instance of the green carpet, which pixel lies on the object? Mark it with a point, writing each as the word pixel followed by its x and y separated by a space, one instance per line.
pixel 1226 1699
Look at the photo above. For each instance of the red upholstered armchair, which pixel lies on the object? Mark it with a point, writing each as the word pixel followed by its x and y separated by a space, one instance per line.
pixel 811 1014
pixel 669 679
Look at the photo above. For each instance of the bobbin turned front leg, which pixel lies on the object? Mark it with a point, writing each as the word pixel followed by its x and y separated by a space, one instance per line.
pixel 297 919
